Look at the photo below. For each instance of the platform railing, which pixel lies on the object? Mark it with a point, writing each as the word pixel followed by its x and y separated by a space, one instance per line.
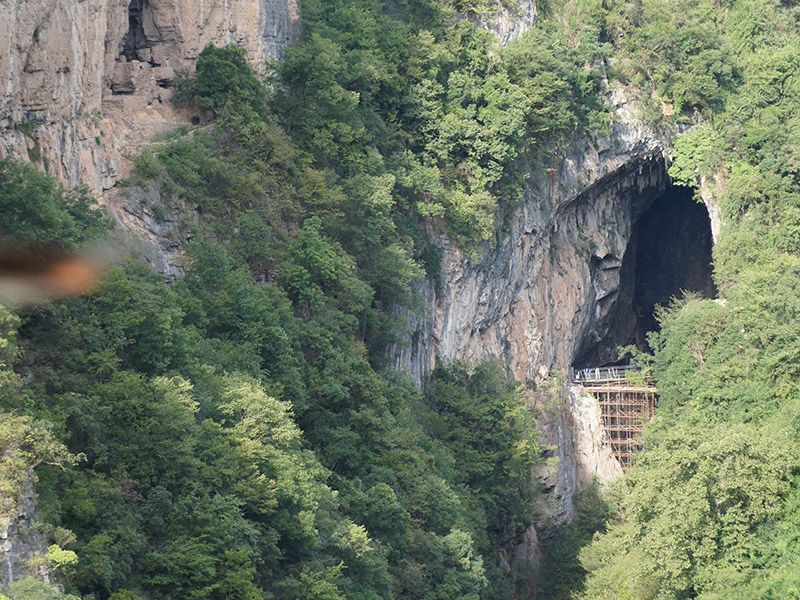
pixel 602 373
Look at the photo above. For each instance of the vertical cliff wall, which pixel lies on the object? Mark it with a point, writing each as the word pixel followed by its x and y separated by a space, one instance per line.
pixel 508 20
pixel 551 285
pixel 84 84
pixel 594 460
pixel 20 540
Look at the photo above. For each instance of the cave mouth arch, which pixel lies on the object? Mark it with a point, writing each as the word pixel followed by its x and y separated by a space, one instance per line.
pixel 668 254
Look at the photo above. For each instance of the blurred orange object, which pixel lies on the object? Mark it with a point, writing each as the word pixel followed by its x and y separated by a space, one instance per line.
pixel 35 273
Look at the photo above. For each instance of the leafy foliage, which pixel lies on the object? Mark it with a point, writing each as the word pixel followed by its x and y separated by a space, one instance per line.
pixel 240 435
pixel 490 430
pixel 223 75
pixel 562 575
pixel 711 509
pixel 35 208
pixel 238 440
pixel 433 102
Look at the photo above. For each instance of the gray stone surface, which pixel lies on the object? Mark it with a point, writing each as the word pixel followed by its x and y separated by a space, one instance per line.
pixel 80 96
pixel 509 20
pixel 19 539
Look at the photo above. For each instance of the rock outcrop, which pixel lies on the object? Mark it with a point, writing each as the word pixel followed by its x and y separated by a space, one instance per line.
pixel 86 84
pixel 550 284
pixel 593 457
pixel 509 20
pixel 20 541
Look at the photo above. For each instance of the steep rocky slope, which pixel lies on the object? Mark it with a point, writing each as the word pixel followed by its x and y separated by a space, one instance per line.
pixel 509 20
pixel 20 541
pixel 84 84
pixel 550 286
pixel 87 85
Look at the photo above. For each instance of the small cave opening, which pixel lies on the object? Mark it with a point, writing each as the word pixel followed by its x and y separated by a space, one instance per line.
pixel 135 45
pixel 668 254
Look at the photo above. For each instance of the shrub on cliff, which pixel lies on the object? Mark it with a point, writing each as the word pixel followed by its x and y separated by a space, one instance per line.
pixel 222 75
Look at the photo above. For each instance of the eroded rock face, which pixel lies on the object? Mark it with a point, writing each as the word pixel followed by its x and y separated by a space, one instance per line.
pixel 593 457
pixel 85 85
pixel 20 541
pixel 547 287
pixel 550 283
pixel 509 20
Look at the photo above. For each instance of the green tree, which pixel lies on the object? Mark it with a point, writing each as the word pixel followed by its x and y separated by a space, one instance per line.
pixel 36 208
pixel 222 75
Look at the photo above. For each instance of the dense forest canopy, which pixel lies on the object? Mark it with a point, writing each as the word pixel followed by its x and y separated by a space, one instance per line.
pixel 238 435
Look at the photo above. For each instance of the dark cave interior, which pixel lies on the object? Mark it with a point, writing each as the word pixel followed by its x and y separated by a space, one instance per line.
pixel 673 253
pixel 669 253
pixel 135 40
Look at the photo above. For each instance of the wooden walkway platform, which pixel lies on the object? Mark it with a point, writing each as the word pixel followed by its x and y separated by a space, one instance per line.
pixel 625 406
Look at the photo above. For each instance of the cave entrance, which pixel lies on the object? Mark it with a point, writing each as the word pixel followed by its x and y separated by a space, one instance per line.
pixel 135 45
pixel 669 253
pixel 672 246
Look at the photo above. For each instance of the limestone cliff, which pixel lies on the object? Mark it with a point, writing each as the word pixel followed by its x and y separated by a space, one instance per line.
pixel 550 284
pixel 20 540
pixel 84 84
pixel 508 20
pixel 593 457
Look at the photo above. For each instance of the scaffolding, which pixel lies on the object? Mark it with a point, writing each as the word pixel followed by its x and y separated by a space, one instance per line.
pixel 626 406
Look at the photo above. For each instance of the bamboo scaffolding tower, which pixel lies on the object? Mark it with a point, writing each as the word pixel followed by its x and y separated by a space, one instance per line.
pixel 625 407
